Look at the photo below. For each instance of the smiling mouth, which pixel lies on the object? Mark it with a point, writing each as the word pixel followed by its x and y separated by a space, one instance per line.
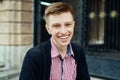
pixel 64 37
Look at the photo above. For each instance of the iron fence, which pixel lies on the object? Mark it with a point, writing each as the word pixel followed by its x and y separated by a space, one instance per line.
pixel 100 23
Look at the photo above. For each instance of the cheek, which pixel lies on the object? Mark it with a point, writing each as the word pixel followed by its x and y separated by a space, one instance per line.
pixel 71 29
pixel 54 32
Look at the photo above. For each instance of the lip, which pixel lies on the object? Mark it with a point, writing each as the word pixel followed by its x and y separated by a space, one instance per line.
pixel 63 38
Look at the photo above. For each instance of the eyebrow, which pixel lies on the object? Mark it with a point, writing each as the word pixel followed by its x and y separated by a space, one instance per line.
pixel 55 24
pixel 65 22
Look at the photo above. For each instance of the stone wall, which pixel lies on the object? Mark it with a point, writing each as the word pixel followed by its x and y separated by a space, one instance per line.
pixel 16 31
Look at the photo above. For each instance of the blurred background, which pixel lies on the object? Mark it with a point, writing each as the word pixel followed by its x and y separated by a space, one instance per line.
pixel 97 31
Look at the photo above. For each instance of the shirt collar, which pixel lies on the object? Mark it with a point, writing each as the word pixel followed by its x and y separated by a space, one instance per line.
pixel 55 52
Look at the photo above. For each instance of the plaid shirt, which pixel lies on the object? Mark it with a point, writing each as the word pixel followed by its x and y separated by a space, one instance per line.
pixel 62 69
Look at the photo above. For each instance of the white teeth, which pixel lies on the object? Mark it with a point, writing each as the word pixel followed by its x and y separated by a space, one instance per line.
pixel 64 37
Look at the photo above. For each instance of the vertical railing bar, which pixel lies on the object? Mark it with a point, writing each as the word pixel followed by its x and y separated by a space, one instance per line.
pixel 97 22
pixel 117 23
pixel 117 19
pixel 98 11
pixel 108 25
pixel 111 30
pixel 87 27
pixel 113 25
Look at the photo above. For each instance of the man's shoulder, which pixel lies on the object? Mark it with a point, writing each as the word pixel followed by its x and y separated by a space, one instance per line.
pixel 76 45
pixel 77 49
pixel 39 49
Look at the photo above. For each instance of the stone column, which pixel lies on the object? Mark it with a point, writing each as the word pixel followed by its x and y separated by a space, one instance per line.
pixel 16 31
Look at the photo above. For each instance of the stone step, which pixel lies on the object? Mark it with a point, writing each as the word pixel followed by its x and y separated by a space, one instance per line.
pixel 96 78
pixel 8 74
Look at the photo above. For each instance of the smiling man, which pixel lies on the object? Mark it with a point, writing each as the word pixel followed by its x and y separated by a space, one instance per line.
pixel 61 27
pixel 58 58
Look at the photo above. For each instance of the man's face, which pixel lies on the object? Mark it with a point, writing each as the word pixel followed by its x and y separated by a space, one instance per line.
pixel 61 27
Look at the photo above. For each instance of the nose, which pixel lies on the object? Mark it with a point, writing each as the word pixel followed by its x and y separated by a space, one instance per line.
pixel 63 30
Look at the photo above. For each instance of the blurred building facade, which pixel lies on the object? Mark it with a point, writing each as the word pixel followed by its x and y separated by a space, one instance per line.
pixel 16 32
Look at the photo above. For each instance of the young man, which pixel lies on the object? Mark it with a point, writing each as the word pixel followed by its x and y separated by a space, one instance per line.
pixel 58 58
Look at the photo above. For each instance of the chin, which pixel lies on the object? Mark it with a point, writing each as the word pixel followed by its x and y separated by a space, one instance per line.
pixel 65 44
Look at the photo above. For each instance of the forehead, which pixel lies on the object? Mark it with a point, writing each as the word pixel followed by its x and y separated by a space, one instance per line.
pixel 60 18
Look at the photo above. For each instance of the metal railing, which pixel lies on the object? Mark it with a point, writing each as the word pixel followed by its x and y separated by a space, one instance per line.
pixel 100 25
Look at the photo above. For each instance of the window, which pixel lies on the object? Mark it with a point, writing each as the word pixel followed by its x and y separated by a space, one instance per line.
pixel 96 27
pixel 101 25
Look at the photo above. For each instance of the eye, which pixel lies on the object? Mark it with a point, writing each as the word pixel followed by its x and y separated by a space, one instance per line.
pixel 68 24
pixel 56 26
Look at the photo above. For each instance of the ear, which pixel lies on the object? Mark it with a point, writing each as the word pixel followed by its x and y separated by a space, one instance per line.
pixel 48 29
pixel 74 23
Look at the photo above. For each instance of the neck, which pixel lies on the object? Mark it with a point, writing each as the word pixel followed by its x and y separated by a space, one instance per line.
pixel 62 51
